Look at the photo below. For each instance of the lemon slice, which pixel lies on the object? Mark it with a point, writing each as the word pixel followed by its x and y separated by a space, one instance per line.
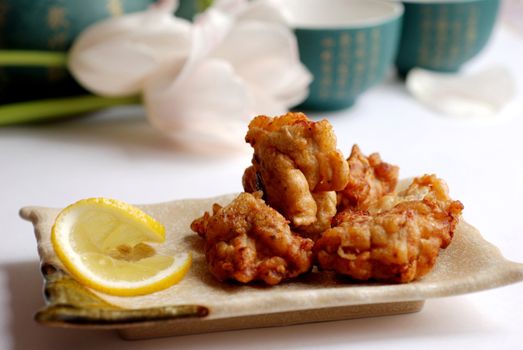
pixel 109 245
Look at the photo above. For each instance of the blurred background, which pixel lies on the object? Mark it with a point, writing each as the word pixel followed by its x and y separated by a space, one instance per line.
pixel 434 86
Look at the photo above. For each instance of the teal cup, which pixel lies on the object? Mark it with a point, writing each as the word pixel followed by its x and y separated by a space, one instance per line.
pixel 50 25
pixel 54 24
pixel 442 35
pixel 348 45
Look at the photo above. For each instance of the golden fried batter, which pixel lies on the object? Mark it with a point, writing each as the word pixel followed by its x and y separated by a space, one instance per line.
pixel 369 179
pixel 247 240
pixel 427 188
pixel 397 240
pixel 296 164
pixel 326 204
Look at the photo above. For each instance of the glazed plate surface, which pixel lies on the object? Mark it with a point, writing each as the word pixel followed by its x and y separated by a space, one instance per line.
pixel 200 304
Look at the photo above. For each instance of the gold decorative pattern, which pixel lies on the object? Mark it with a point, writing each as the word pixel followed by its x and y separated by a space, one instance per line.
pixel 360 66
pixel 426 28
pixel 471 34
pixel 447 35
pixel 326 55
pixel 328 45
pixel 58 24
pixel 455 46
pixel 442 27
pixel 345 40
pixel 115 7
pixel 341 81
pixel 56 18
pixel 343 67
pixel 375 53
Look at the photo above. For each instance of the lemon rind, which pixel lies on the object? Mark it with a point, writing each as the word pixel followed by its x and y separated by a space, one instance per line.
pixel 180 266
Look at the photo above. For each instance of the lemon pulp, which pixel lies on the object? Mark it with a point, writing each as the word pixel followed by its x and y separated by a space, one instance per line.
pixel 109 246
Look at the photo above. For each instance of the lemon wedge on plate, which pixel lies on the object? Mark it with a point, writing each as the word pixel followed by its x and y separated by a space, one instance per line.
pixel 109 246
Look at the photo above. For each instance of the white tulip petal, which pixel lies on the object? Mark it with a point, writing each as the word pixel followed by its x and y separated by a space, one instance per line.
pixel 232 7
pixel 256 10
pixel 264 10
pixel 201 82
pixel 212 100
pixel 169 6
pixel 511 15
pixel 294 86
pixel 152 20
pixel 264 103
pixel 477 95
pixel 114 57
pixel 209 30
pixel 266 56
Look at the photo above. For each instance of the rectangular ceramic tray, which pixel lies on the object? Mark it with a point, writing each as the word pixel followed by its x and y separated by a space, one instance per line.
pixel 200 304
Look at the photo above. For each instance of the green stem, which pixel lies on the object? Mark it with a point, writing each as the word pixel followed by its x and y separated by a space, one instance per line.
pixel 18 58
pixel 203 5
pixel 40 110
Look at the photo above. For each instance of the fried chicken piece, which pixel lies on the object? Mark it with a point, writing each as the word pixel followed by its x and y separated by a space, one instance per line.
pixel 295 162
pixel 326 204
pixel 427 188
pixel 369 179
pixel 247 240
pixel 252 181
pixel 397 240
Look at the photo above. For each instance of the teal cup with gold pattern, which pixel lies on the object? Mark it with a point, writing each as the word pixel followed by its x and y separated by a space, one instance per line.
pixel 49 25
pixel 442 35
pixel 348 45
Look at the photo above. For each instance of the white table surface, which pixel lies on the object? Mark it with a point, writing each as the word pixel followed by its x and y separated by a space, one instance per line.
pixel 118 155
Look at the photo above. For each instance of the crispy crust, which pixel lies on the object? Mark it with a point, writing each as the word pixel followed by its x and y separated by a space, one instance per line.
pixel 361 228
pixel 370 178
pixel 247 241
pixel 297 166
pixel 397 240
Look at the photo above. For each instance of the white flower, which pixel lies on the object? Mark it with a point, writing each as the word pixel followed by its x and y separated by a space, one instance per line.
pixel 481 94
pixel 201 82
pixel 115 56
pixel 261 10
pixel 240 66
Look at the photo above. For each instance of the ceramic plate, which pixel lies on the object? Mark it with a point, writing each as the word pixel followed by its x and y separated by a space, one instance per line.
pixel 200 304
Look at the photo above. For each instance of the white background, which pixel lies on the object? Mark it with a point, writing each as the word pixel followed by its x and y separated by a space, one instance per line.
pixel 118 155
